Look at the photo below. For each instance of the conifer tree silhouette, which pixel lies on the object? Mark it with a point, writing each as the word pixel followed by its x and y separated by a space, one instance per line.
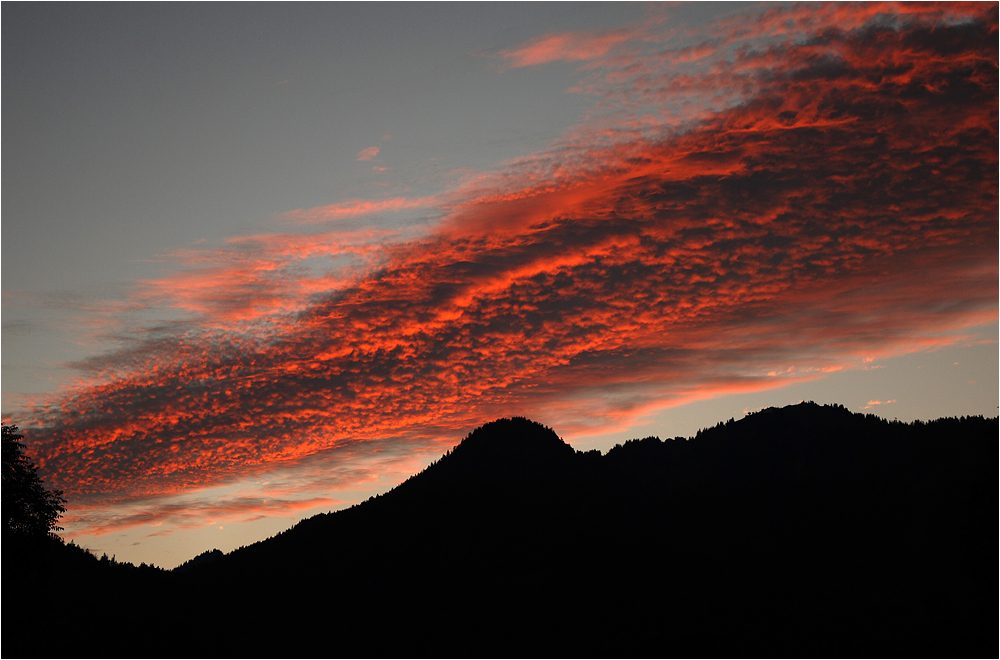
pixel 29 509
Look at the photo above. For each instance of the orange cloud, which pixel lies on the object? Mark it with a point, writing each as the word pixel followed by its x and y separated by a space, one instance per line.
pixel 257 278
pixel 355 208
pixel 564 47
pixel 876 402
pixel 188 514
pixel 368 153
pixel 845 208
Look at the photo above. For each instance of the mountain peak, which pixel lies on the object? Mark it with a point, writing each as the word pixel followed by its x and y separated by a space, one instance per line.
pixel 512 437
pixel 514 447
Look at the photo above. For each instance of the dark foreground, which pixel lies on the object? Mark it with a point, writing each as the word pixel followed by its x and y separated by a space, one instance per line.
pixel 804 531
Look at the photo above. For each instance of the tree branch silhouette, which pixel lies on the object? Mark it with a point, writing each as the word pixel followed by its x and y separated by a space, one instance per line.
pixel 30 510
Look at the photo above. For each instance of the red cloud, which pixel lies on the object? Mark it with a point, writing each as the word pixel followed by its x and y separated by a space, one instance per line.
pixel 255 278
pixel 876 402
pixel 564 47
pixel 368 153
pixel 186 515
pixel 355 208
pixel 848 205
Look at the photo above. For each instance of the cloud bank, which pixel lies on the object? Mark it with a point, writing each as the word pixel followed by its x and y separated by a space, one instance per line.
pixel 842 203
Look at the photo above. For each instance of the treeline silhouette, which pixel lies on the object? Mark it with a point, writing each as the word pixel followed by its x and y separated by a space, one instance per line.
pixel 806 531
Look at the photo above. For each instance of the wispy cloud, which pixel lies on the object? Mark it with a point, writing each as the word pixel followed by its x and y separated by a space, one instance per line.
pixel 845 208
pixel 355 208
pixel 192 514
pixel 564 47
pixel 368 153
pixel 257 278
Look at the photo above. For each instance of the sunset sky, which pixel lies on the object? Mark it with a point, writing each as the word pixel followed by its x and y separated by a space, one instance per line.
pixel 263 260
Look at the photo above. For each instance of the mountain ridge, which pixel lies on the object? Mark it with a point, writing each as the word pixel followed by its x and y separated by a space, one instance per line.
pixel 477 454
pixel 805 530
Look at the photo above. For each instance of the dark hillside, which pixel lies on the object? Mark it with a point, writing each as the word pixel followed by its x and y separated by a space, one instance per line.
pixel 806 531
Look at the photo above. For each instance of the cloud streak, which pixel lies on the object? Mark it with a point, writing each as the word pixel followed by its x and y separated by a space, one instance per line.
pixel 846 205
pixel 876 402
pixel 564 47
pixel 353 209
pixel 188 514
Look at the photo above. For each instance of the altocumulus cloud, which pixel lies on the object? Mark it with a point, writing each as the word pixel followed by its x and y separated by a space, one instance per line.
pixel 833 197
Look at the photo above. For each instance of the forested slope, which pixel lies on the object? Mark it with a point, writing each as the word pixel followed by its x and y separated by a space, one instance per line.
pixel 807 531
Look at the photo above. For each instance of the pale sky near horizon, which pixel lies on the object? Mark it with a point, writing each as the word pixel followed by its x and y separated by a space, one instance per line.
pixel 197 198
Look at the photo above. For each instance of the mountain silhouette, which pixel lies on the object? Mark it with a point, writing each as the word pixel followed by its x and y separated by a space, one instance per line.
pixel 807 531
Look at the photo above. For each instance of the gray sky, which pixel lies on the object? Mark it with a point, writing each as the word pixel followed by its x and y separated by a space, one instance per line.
pixel 131 130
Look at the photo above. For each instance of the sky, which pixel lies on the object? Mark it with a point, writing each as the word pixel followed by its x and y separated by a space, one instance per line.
pixel 261 261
